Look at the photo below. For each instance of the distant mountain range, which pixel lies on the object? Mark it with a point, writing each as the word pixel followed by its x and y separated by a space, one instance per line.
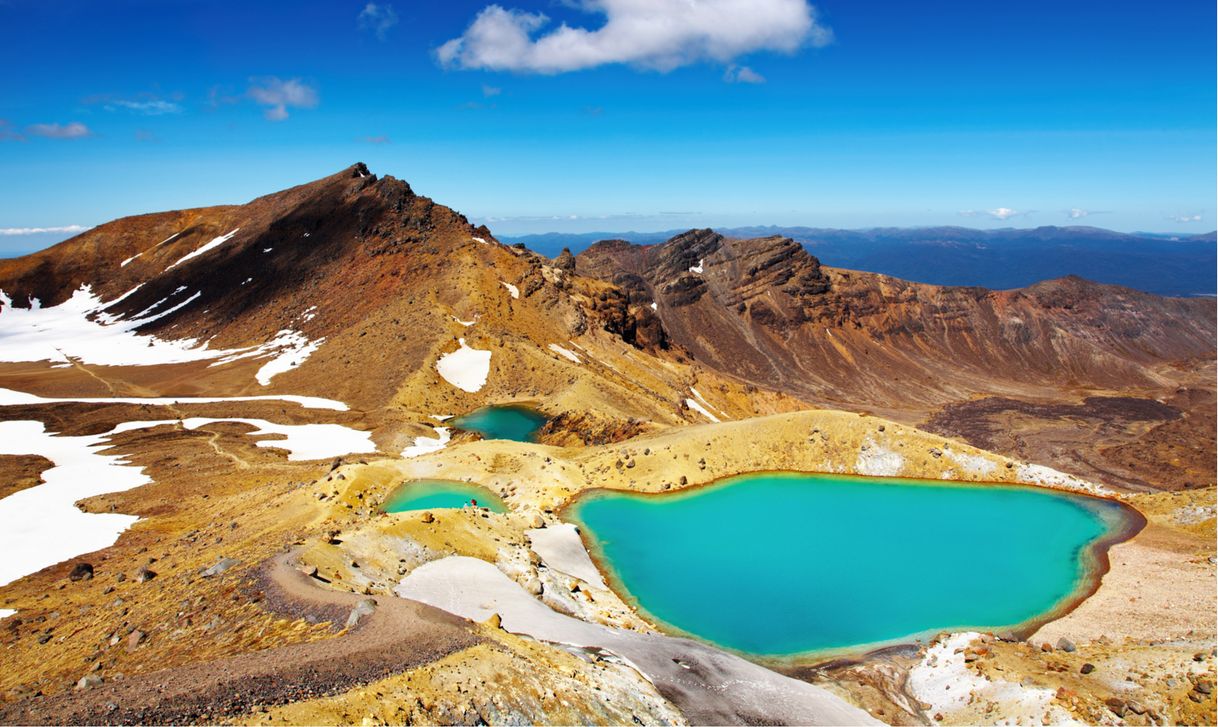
pixel 1001 259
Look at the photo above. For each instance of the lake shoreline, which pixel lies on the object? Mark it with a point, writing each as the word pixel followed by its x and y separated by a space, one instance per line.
pixel 1122 522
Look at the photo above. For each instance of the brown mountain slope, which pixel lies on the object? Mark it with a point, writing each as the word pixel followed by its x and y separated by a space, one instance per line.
pixel 1082 376
pixel 383 280
pixel 766 311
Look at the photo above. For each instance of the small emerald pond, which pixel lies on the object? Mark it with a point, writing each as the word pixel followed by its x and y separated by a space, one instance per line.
pixel 516 422
pixel 438 494
pixel 787 564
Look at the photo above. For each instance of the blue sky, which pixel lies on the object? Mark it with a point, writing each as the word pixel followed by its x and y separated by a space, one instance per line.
pixel 639 115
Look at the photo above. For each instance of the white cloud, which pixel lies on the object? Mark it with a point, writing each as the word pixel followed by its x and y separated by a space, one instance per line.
pixel 489 91
pixel 156 107
pixel 72 130
pixel 377 18
pixel 656 34
pixel 14 231
pixel 1185 218
pixel 998 213
pixel 1077 214
pixel 742 74
pixel 279 95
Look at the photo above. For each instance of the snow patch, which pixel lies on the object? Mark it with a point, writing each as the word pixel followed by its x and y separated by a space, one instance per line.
pixel 466 368
pixel 126 262
pixel 467 324
pixel 512 289
pixel 479 239
pixel 217 242
pixel 427 445
pixel 654 306
pixel 9 397
pixel 564 353
pixel 693 404
pixel 79 328
pixel 302 441
pixel 561 549
pixel 41 525
pixel 295 349
pixel 697 268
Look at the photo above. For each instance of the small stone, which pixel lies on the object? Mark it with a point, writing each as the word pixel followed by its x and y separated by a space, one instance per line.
pixel 136 638
pixel 1086 668
pixel 1065 645
pixel 1117 705
pixel 1046 647
pixel 143 575
pixel 89 681
pixel 366 607
pixel 81 572
pixel 428 517
pixel 222 565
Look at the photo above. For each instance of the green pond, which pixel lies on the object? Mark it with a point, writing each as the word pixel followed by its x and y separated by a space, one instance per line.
pixel 513 421
pixel 437 494
pixel 786 564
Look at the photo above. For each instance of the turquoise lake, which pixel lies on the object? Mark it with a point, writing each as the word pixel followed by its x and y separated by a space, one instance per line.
pixel 784 564
pixel 441 494
pixel 515 422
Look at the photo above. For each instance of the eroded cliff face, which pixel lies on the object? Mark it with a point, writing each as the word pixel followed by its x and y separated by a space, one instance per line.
pixel 767 311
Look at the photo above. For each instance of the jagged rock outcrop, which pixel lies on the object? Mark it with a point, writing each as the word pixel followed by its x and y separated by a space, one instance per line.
pixel 766 311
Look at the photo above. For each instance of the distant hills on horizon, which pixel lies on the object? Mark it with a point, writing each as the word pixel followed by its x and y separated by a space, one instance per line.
pixel 1161 263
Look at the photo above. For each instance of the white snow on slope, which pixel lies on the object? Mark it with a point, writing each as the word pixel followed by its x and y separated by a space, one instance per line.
pixel 466 368
pixel 124 263
pixel 697 268
pixel 217 242
pixel 294 349
pixel 10 397
pixel 561 548
pixel 79 329
pixel 693 404
pixel 698 395
pixel 479 239
pixel 564 353
pixel 41 525
pixel 427 445
pixel 512 289
pixel 302 441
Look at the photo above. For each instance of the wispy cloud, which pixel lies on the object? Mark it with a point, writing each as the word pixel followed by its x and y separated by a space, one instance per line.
pixel 742 74
pixel 654 34
pixel 377 18
pixel 145 104
pixel 998 213
pixel 17 231
pixel 489 91
pixel 71 130
pixel 279 95
pixel 1185 218
pixel 381 139
pixel 1077 214
pixel 8 133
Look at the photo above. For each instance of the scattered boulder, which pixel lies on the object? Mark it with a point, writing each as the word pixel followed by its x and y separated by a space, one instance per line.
pixel 221 566
pixel 89 681
pixel 1086 668
pixel 364 608
pixel 428 517
pixel 1065 645
pixel 143 575
pixel 135 638
pixel 81 572
pixel 1117 705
